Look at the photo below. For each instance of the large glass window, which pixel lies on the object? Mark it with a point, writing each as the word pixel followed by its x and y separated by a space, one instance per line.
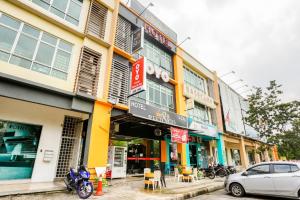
pixel 18 147
pixel 68 10
pixel 194 80
pixel 31 48
pixel 158 95
pixel 158 57
pixel 199 113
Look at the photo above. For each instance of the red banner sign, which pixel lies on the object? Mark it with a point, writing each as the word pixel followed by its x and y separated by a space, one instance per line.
pixel 157 36
pixel 138 76
pixel 179 135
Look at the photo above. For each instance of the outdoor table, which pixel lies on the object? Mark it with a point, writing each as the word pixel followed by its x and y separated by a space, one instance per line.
pixel 186 176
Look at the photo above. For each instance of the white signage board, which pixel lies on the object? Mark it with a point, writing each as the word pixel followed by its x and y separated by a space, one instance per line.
pixel 198 96
pixel 100 171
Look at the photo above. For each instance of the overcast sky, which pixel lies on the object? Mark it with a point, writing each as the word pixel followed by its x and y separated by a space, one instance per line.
pixel 259 39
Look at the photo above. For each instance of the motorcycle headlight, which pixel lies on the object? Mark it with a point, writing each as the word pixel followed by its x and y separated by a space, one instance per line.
pixel 85 174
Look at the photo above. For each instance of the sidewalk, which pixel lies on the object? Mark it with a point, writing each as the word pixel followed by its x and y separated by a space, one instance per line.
pixel 124 189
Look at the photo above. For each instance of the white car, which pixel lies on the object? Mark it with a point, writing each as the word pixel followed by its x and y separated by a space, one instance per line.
pixel 267 178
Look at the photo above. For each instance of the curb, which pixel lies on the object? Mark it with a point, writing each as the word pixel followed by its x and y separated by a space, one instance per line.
pixel 22 192
pixel 197 192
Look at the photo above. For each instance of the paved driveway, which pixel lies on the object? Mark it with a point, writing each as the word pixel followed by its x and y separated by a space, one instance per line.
pixel 222 195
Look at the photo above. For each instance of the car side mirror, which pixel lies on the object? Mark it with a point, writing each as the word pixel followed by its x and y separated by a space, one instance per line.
pixel 245 173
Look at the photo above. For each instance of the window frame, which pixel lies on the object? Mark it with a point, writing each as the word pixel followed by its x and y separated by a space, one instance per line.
pixel 270 169
pixel 40 40
pixel 154 86
pixel 290 165
pixel 65 12
pixel 192 79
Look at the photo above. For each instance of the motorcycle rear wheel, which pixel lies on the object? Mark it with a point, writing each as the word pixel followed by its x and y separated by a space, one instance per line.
pixel 211 175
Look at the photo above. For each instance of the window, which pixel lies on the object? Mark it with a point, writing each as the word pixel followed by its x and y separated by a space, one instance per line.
pixel 194 80
pixel 199 113
pixel 97 19
pixel 31 48
pixel 88 74
pixel 294 168
pixel 123 34
pixel 260 169
pixel 158 57
pixel 282 168
pixel 68 10
pixel 119 82
pixel 158 96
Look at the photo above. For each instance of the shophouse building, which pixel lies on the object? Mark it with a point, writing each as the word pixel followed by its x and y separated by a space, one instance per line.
pixel 140 124
pixel 139 128
pixel 53 58
pixel 241 141
pixel 201 96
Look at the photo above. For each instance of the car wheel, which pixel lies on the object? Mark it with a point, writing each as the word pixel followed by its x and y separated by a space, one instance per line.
pixel 237 190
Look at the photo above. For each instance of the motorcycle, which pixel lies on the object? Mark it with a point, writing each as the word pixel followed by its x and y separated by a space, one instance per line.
pixel 79 181
pixel 208 172
pixel 231 170
pixel 220 170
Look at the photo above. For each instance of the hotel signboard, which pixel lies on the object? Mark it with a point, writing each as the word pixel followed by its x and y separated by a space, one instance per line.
pixel 152 113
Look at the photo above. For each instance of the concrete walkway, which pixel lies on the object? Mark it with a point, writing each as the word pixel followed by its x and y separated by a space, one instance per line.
pixel 127 189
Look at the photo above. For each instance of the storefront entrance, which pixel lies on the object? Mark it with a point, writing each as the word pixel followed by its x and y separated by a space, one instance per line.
pixel 141 153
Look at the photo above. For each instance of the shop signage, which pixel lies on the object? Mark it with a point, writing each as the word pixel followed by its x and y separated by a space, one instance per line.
pixel 138 76
pixel 202 128
pixel 137 40
pixel 179 135
pixel 190 104
pixel 198 96
pixel 157 36
pixel 155 114
pixel 158 72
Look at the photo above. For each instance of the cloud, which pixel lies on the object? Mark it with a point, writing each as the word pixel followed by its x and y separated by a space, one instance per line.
pixel 259 39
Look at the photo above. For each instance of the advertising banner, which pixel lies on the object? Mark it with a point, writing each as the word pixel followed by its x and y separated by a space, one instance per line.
pixel 148 112
pixel 18 147
pixel 179 135
pixel 138 76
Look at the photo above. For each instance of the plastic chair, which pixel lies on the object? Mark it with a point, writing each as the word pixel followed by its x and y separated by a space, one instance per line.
pixel 156 179
pixel 194 175
pixel 146 170
pixel 177 176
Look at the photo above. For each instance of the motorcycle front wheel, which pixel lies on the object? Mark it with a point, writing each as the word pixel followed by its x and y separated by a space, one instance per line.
pixel 84 191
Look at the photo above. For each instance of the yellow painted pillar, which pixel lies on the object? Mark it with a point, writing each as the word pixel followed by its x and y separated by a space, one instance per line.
pixel 229 158
pixel 183 154
pixel 275 153
pixel 99 139
pixel 244 157
pixel 163 151
pixel 179 81
pixel 266 155
pixel 180 99
pixel 256 155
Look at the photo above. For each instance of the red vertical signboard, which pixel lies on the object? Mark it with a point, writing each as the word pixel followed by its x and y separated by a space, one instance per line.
pixel 179 135
pixel 138 76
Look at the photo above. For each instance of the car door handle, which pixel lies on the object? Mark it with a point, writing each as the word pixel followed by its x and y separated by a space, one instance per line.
pixel 296 176
pixel 267 177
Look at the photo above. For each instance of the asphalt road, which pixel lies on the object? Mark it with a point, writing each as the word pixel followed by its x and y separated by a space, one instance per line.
pixel 222 195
